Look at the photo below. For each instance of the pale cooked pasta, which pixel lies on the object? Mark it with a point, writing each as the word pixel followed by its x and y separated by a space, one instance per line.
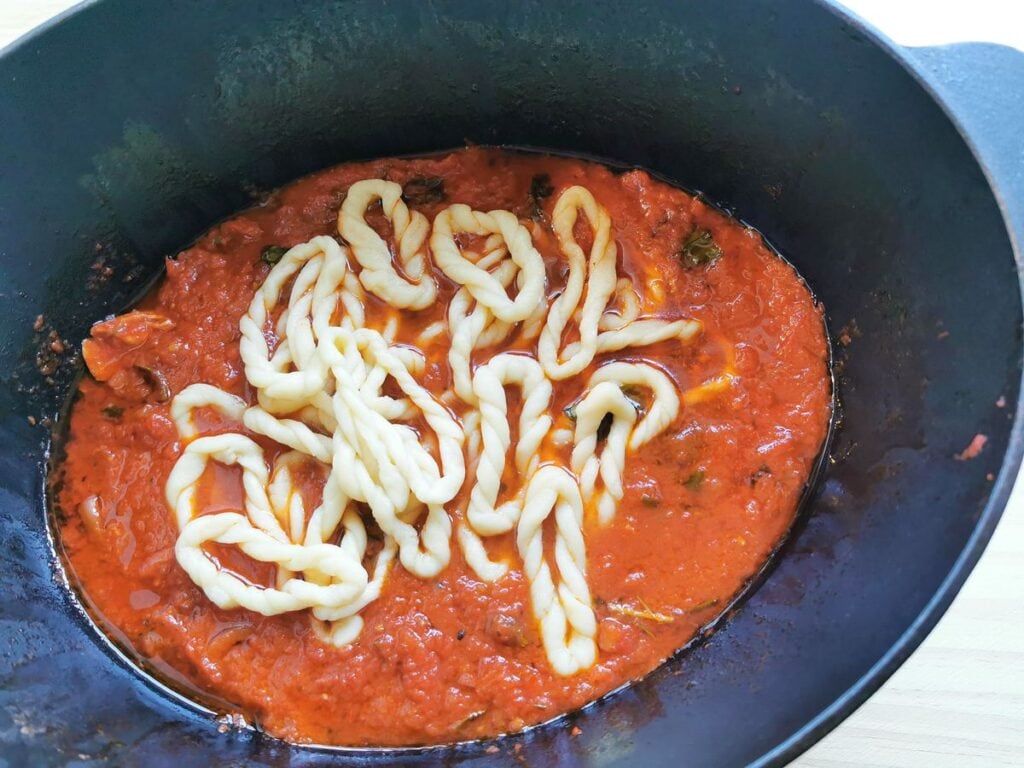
pixel 322 391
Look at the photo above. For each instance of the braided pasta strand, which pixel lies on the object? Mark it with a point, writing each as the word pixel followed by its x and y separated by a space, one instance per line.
pixel 347 401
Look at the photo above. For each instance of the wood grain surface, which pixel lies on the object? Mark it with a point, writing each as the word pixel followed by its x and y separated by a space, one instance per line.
pixel 959 700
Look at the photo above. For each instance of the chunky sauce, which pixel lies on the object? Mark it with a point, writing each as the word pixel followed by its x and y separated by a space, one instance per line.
pixel 451 658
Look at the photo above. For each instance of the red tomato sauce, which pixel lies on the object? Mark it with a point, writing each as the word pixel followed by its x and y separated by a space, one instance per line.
pixel 451 658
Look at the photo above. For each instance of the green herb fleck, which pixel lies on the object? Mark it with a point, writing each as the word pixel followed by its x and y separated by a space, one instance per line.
pixel 272 254
pixel 695 481
pixel 420 191
pixel 703 606
pixel 113 412
pixel 650 501
pixel 540 186
pixel 699 248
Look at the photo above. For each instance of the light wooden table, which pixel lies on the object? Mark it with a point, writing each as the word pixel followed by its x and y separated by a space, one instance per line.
pixel 959 700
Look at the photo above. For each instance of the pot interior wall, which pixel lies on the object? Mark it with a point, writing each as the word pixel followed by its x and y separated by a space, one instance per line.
pixel 126 130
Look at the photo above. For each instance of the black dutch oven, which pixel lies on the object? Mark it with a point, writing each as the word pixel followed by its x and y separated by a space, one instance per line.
pixel 127 128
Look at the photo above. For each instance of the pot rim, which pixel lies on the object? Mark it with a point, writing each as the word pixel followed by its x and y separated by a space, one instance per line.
pixel 853 697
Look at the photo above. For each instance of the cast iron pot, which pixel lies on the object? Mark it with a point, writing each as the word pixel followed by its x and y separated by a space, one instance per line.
pixel 128 128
